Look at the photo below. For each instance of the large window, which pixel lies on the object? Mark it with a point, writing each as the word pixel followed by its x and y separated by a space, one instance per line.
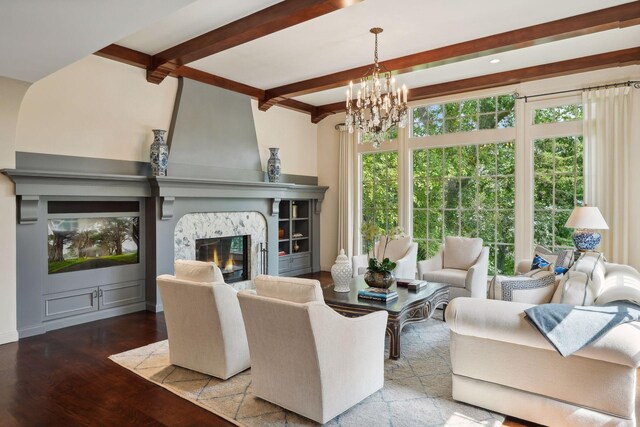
pixel 380 188
pixel 493 112
pixel 558 177
pixel 466 191
pixel 559 187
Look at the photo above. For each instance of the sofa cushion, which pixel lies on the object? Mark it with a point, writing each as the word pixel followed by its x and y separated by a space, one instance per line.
pixel 396 249
pixel 450 276
pixel 197 271
pixel 291 289
pixel 592 264
pixel 534 287
pixel 461 252
pixel 575 288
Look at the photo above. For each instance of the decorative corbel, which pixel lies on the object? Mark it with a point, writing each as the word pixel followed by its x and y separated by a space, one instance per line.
pixel 166 208
pixel 28 209
pixel 275 207
pixel 318 206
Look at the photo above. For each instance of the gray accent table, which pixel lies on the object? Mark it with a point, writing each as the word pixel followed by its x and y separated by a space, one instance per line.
pixel 409 307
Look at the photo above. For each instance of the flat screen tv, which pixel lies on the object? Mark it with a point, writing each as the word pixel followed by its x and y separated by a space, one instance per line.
pixel 76 244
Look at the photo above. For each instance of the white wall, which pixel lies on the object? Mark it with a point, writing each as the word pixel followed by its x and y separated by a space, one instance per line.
pixel 105 109
pixel 328 139
pixel 293 133
pixel 95 108
pixel 12 92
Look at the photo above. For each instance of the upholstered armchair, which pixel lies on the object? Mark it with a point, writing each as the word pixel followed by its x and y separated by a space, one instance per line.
pixel 402 251
pixel 462 263
pixel 306 357
pixel 204 322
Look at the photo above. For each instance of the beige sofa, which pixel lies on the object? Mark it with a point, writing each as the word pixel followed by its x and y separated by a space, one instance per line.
pixel 500 362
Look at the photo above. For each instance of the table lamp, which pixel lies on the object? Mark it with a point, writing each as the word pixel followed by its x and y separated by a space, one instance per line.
pixel 586 219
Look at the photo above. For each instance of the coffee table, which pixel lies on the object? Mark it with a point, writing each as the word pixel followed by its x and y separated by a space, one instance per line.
pixel 409 307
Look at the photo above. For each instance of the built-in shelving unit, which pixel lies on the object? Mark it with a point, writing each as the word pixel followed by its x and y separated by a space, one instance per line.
pixel 294 237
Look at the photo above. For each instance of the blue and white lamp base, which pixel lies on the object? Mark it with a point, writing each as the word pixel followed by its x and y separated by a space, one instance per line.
pixel 586 240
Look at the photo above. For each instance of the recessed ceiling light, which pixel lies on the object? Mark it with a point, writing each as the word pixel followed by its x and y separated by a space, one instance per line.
pixel 494 61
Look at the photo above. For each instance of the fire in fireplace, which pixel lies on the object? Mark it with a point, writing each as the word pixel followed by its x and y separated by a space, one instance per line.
pixel 230 254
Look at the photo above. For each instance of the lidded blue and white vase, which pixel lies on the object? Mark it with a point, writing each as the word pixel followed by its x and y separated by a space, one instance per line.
pixel 273 165
pixel 159 154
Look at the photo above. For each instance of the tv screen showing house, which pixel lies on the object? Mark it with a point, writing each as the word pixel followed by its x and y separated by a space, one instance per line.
pixel 76 244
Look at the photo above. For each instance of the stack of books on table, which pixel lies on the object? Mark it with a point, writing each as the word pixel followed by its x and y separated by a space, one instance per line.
pixel 378 294
pixel 413 285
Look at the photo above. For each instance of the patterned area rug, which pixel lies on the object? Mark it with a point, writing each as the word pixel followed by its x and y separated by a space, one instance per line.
pixel 417 389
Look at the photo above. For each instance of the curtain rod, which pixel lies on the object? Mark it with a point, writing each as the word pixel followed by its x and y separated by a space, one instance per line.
pixel 634 83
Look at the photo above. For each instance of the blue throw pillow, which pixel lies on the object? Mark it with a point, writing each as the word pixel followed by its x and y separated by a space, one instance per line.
pixel 560 270
pixel 539 263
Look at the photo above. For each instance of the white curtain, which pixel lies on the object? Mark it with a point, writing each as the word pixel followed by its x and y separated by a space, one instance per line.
pixel 346 198
pixel 608 131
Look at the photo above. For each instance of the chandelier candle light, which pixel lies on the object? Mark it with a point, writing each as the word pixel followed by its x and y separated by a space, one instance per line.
pixel 379 105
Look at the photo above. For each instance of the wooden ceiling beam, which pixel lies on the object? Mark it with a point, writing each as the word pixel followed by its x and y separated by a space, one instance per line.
pixel 125 55
pixel 264 22
pixel 617 58
pixel 624 15
pixel 141 60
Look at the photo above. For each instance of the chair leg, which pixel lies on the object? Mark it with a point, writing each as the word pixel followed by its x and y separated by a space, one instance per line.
pixel 444 308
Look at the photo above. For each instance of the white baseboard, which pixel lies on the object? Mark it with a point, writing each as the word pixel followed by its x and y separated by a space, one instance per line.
pixel 9 336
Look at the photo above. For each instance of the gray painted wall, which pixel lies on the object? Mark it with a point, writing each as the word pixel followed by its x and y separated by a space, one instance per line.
pixel 213 133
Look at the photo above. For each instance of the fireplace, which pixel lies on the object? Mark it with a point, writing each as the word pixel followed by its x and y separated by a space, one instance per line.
pixel 230 254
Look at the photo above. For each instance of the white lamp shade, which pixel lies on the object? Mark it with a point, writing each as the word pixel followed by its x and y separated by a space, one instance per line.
pixel 587 217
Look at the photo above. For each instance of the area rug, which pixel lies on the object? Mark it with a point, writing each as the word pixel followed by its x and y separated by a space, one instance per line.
pixel 417 388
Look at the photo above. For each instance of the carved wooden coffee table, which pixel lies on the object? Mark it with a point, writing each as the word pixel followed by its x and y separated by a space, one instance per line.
pixel 409 307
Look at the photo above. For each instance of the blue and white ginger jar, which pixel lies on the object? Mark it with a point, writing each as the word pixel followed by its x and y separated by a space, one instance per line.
pixel 159 154
pixel 273 165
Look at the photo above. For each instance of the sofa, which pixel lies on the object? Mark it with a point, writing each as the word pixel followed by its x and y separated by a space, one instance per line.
pixel 502 363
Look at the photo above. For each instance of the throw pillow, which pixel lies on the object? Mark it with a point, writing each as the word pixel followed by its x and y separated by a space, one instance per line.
pixel 461 252
pixel 592 264
pixel 560 270
pixel 534 287
pixel 575 288
pixel 197 271
pixel 539 263
pixel 561 258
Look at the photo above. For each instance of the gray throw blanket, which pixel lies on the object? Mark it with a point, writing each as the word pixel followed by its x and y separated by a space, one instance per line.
pixel 569 328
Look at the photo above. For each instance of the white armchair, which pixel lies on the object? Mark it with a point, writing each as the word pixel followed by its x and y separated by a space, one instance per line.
pixel 204 322
pixel 306 357
pixel 402 251
pixel 462 263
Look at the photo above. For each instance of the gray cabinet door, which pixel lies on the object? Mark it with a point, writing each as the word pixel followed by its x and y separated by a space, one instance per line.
pixel 120 294
pixel 70 303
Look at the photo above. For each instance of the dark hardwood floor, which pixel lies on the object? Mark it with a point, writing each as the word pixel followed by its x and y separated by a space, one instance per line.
pixel 64 378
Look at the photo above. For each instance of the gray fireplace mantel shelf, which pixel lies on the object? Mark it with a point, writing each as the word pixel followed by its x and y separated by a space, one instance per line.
pixel 30 185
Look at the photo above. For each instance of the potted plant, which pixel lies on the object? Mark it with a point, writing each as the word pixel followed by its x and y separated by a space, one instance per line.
pixel 379 273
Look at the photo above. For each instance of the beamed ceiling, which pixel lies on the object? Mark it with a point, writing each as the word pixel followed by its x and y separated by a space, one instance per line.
pixel 300 54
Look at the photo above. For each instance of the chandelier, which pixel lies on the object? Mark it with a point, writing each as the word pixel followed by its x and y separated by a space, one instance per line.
pixel 379 107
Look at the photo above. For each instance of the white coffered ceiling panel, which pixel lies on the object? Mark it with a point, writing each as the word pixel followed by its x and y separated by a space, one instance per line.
pixel 198 18
pixel 535 55
pixel 38 37
pixel 341 40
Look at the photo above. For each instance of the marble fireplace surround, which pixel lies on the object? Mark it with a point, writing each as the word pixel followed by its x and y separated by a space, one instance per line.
pixel 222 224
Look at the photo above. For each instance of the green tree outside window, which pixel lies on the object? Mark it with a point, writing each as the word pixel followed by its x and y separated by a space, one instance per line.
pixel 466 191
pixel 380 189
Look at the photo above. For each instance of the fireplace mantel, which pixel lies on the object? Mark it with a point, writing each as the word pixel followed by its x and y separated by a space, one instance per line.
pixel 31 185
pixel 168 188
